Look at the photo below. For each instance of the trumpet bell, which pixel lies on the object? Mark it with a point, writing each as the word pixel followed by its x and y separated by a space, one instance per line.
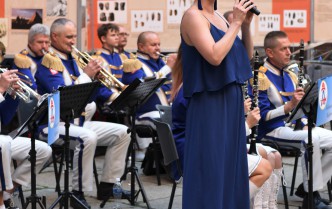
pixel 106 78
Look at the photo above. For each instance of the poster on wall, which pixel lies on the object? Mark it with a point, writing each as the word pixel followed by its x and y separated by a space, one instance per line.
pixel 4 31
pixel 112 11
pixel 23 19
pixel 143 20
pixel 295 18
pixel 57 8
pixel 268 22
pixel 176 9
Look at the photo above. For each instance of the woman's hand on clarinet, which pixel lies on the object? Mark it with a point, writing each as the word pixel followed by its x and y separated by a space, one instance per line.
pixel 247 105
pixel 253 117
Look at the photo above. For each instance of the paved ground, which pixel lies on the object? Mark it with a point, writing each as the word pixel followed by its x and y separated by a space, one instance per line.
pixel 158 196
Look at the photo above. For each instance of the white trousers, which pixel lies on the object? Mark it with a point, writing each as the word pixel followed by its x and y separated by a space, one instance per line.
pixel 18 149
pixel 321 139
pixel 92 134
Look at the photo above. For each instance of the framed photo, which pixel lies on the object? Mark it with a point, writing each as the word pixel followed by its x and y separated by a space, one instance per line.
pixel 57 8
pixel 23 19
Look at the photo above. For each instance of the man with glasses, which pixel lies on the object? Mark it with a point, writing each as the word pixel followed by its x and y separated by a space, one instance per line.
pixel 123 40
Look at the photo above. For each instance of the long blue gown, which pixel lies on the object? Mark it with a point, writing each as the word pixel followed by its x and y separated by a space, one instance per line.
pixel 215 156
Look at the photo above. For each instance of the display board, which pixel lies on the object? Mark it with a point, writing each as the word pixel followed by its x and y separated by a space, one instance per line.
pixel 162 16
pixel 322 20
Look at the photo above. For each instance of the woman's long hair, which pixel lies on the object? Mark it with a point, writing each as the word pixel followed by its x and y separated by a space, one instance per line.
pixel 177 75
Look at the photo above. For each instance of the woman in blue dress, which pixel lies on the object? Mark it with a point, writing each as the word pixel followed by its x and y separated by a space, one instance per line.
pixel 215 63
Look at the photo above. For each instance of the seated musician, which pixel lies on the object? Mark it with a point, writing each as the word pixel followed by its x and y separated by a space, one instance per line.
pixel 27 60
pixel 17 149
pixel 108 36
pixel 148 44
pixel 61 69
pixel 111 61
pixel 123 40
pixel 276 103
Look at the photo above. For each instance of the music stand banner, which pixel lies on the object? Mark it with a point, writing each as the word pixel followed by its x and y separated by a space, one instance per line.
pixel 324 107
pixel 53 117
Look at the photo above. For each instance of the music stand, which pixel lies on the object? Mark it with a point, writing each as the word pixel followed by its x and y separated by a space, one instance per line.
pixel 308 107
pixel 73 100
pixel 135 95
pixel 32 124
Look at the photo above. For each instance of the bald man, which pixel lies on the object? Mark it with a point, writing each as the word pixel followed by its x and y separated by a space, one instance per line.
pixel 148 44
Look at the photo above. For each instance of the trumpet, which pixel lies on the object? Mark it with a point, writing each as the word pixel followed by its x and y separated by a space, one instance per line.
pixel 107 78
pixel 164 57
pixel 26 79
pixel 25 93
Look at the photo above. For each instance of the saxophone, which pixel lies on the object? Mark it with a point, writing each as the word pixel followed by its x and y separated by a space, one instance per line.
pixel 254 104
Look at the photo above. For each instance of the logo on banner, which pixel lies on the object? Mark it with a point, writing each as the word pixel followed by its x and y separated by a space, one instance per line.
pixel 322 97
pixel 51 116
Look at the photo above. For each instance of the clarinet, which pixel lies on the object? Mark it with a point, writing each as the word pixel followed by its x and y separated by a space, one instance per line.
pixel 301 79
pixel 254 104
pixel 301 75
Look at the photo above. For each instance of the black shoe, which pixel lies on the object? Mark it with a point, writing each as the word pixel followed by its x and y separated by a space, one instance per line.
pixel 81 198
pixel 318 204
pixel 325 201
pixel 300 192
pixel 9 204
pixel 105 191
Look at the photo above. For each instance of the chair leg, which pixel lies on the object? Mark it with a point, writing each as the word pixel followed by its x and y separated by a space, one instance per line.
pixel 294 174
pixel 57 173
pixel 157 160
pixel 170 204
pixel 284 191
pixel 20 191
pixel 95 174
pixel 329 190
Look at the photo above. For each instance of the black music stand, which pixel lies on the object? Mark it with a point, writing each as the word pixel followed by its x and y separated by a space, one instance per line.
pixel 136 94
pixel 32 124
pixel 73 100
pixel 308 107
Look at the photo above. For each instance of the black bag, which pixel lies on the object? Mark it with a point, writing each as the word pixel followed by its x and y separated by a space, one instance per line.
pixel 148 164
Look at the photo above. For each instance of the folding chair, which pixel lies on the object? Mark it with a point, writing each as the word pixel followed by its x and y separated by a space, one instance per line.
pixel 170 153
pixel 146 131
pixel 165 113
pixel 285 147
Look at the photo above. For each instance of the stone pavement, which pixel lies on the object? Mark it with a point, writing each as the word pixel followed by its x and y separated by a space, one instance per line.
pixel 158 196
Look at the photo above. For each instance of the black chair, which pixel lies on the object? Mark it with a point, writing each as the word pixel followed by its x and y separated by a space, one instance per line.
pixel 170 153
pixel 286 148
pixel 147 131
pixel 165 113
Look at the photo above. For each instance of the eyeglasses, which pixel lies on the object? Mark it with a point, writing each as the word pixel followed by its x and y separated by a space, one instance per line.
pixel 124 34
